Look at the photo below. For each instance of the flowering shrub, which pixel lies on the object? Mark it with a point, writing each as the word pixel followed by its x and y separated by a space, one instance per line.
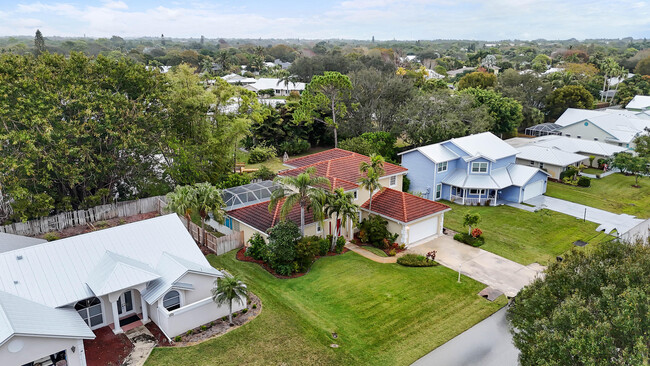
pixel 477 232
pixel 431 255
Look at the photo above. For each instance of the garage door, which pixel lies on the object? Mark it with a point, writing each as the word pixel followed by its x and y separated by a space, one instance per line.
pixel 533 190
pixel 423 229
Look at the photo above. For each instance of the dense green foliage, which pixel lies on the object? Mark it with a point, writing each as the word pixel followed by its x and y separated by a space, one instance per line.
pixel 380 143
pixel 374 230
pixel 590 309
pixel 636 165
pixel 415 260
pixel 477 79
pixel 506 112
pixel 282 247
pixel 570 96
pixel 257 248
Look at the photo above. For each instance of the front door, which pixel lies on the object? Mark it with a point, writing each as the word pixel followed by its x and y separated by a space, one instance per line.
pixel 125 303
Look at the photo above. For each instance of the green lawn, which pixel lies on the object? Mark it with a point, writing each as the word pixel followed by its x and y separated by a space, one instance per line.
pixel 592 171
pixel 384 314
pixel 526 237
pixel 612 193
pixel 374 250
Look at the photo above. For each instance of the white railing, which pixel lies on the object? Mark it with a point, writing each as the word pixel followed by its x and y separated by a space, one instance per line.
pixel 469 201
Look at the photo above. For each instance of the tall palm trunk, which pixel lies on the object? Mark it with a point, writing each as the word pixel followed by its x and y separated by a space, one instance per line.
pixel 336 140
pixel 302 219
pixel 230 312
pixel 335 237
pixel 202 229
pixel 604 85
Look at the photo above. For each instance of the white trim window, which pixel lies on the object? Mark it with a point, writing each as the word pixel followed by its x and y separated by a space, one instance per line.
pixel 172 300
pixel 532 163
pixel 356 195
pixel 90 311
pixel 477 191
pixel 438 191
pixel 442 167
pixel 319 229
pixel 541 165
pixel 479 167
pixel 393 181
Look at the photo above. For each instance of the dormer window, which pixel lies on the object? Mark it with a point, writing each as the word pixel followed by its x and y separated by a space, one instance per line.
pixel 479 167
pixel 442 167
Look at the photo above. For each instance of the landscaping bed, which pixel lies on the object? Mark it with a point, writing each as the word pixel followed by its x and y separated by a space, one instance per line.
pixel 373 249
pixel 417 260
pixel 98 225
pixel 220 326
pixel 241 255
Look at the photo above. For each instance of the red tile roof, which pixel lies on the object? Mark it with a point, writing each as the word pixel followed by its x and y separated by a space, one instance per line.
pixel 402 206
pixel 259 217
pixel 344 167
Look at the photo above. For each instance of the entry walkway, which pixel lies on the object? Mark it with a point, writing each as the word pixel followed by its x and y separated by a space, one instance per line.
pixel 608 221
pixel 488 343
pixel 370 255
pixel 497 272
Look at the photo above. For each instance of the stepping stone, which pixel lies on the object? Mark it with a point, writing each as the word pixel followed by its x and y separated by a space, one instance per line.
pixel 580 243
pixel 490 293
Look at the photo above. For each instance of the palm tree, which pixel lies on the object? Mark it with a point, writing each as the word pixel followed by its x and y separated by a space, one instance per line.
pixel 287 79
pixel 182 201
pixel 341 206
pixel 227 289
pixel 208 200
pixel 373 170
pixel 305 190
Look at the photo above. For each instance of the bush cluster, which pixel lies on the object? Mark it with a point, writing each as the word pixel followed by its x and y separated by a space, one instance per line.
pixel 374 231
pixel 340 243
pixel 261 153
pixel 294 147
pixel 584 181
pixel 469 239
pixel 415 260
pixel 258 248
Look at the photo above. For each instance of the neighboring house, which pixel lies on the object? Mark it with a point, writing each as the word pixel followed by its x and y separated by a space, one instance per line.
pixel 613 126
pixel 238 79
pixel 279 87
pixel 453 73
pixel 54 294
pixel 341 167
pixel 11 242
pixel 285 65
pixel 639 103
pixel 475 169
pixel 550 159
pixel 597 149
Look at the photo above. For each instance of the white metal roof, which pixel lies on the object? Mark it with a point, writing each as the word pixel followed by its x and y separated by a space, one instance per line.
pixel 274 83
pixel 436 153
pixel 573 115
pixel 11 242
pixel 55 273
pixel 568 144
pixel 513 174
pixel 639 102
pixel 619 124
pixel 485 144
pixel 115 272
pixel 521 174
pixel 549 155
pixel 19 316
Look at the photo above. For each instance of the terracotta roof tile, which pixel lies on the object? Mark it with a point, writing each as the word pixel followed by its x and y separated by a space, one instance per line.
pixel 318 157
pixel 259 217
pixel 402 206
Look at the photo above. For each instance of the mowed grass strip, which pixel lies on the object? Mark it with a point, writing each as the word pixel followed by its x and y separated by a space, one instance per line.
pixel 384 314
pixel 613 193
pixel 526 237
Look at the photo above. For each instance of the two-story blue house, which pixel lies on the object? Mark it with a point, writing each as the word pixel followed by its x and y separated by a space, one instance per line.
pixel 475 169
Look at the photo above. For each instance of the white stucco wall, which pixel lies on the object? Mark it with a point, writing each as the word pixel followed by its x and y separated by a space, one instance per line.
pixel 585 132
pixel 34 348
pixel 192 315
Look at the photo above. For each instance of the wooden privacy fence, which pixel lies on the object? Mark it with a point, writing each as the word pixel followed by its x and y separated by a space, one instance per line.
pixel 218 245
pixel 82 217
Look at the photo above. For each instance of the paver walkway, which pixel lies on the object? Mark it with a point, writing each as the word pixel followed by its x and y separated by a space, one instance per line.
pixel 608 221
pixel 143 343
pixel 488 343
pixel 497 272
pixel 370 255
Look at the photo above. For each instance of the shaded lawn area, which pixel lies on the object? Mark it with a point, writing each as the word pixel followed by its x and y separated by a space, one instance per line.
pixel 383 313
pixel 275 164
pixel 526 237
pixel 613 193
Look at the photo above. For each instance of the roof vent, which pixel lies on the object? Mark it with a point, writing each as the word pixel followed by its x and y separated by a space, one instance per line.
pixel 15 282
pixel 19 257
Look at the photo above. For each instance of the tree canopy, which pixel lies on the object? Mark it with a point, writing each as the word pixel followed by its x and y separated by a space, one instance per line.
pixel 506 112
pixel 477 79
pixel 570 96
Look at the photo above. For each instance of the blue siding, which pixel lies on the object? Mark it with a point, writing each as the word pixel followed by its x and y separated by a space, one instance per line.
pixel 504 162
pixel 480 160
pixel 420 172
pixel 510 194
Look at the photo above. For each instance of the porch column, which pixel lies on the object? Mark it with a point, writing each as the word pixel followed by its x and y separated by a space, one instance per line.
pixel 496 197
pixel 116 318
pixel 464 194
pixel 145 310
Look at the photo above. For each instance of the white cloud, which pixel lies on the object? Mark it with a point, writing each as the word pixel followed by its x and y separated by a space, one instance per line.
pixel 115 5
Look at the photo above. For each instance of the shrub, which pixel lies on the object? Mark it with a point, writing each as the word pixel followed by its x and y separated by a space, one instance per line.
pixel 282 246
pixel 258 248
pixel 340 243
pixel 244 311
pixel 234 315
pixel 224 319
pixel 406 183
pixel 584 181
pixel 189 332
pixel 204 328
pixel 392 252
pixel 375 230
pixel 295 146
pixel 477 232
pixel 51 237
pixel 234 180
pixel 468 239
pixel 415 260
pixel 324 246
pixel 568 173
pixel 254 306
pixel 121 222
pixel 178 338
pixel 261 153
pixel 601 162
pixel 432 255
pixel 306 250
pixel 264 173
pixel 102 225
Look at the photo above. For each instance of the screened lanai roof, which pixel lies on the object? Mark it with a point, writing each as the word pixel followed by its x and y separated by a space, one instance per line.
pixel 543 129
pixel 248 194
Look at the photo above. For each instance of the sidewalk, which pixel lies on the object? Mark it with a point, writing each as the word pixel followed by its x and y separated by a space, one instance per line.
pixel 372 256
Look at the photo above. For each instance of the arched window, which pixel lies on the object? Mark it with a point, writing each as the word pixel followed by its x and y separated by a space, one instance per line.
pixel 172 300
pixel 90 311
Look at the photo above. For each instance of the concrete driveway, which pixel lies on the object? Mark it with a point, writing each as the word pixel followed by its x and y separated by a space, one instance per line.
pixel 488 343
pixel 497 272
pixel 608 221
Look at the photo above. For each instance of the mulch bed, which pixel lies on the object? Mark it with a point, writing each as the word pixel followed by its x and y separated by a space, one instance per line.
pixel 241 255
pixel 219 326
pixel 107 349
pixel 83 229
pixel 161 338
pixel 358 242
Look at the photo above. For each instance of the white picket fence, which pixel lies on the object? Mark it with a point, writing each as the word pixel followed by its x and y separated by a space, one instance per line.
pixel 82 217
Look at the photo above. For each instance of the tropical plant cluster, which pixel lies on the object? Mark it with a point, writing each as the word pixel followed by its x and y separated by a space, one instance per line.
pixel 415 260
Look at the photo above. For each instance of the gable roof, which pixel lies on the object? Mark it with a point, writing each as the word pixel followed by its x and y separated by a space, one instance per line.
pixel 438 153
pixel 19 316
pixel 639 102
pixel 620 125
pixel 568 144
pixel 12 242
pixel 485 145
pixel 344 168
pixel 55 273
pixel 401 206
pixel 549 155
pixel 513 174
pixel 318 157
pixel 259 217
pixel 116 272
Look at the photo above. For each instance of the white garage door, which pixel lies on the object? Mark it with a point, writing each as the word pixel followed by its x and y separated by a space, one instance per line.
pixel 423 229
pixel 533 190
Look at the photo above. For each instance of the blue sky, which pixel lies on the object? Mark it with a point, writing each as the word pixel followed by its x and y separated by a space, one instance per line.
pixel 356 19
